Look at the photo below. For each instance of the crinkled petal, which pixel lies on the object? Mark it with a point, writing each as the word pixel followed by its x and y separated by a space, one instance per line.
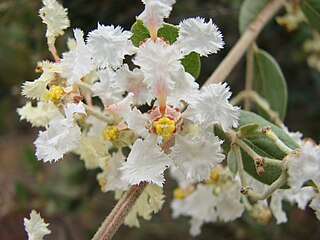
pixel 146 162
pixel 211 106
pixel 35 226
pixel 198 36
pixel 196 156
pixel 77 63
pixel 109 45
pixel 56 17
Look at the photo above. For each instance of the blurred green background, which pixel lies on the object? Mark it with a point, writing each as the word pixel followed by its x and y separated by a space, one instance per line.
pixel 66 194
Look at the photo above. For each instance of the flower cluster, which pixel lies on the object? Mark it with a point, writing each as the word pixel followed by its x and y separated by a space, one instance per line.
pixel 149 116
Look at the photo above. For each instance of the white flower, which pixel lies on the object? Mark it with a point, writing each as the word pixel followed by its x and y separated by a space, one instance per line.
pixel 40 115
pixel 304 166
pixel 60 136
pixel 92 150
pixel 154 13
pixel 315 205
pixel 77 62
pixel 35 226
pixel 146 162
pixel 109 45
pixel 196 156
pixel 199 205
pixel 302 197
pixel 57 140
pixel 113 174
pixel 209 203
pixel 211 106
pixel 132 81
pixel 160 64
pixel 198 36
pixel 229 207
pixel 106 89
pixel 56 18
pixel 38 88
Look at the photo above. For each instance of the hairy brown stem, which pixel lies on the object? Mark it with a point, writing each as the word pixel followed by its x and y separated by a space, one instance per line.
pixel 114 220
pixel 248 37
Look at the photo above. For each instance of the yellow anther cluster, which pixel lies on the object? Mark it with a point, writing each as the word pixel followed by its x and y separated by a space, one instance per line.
pixel 102 183
pixel 110 133
pixel 178 193
pixel 214 177
pixel 164 127
pixel 54 94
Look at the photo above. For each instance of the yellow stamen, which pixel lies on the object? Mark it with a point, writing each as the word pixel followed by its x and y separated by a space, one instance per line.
pixel 214 177
pixel 110 133
pixel 55 93
pixel 102 182
pixel 178 193
pixel 164 127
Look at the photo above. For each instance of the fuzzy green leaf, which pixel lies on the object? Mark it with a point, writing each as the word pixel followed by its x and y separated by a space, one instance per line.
pixel 140 33
pixel 168 32
pixel 269 82
pixel 249 128
pixel 231 161
pixel 192 64
pixel 249 11
pixel 311 9
pixel 261 145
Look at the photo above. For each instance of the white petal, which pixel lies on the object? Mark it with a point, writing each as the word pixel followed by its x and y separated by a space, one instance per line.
pixel 315 205
pixel 154 12
pixel 185 88
pixel 40 115
pixel 146 162
pixel 109 45
pixel 77 63
pixel 113 174
pixel 160 64
pixel 276 207
pixel 199 36
pixel 106 89
pixel 72 108
pixel 212 106
pixel 56 18
pixel 132 81
pixel 57 140
pixel 35 226
pixel 304 166
pixel 196 156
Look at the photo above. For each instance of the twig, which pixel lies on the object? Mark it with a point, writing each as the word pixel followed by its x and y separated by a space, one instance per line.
pixel 249 76
pixel 250 34
pixel 114 220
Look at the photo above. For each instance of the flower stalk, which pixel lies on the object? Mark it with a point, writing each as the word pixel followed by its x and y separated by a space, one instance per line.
pixel 115 219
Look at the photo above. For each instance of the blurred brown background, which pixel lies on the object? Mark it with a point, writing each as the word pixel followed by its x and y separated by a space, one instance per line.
pixel 66 194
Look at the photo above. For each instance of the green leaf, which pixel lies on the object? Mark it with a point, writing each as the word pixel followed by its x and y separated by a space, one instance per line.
pixel 264 147
pixel 249 128
pixel 169 33
pixel 140 33
pixel 231 161
pixel 269 82
pixel 192 64
pixel 261 145
pixel 311 9
pixel 248 12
